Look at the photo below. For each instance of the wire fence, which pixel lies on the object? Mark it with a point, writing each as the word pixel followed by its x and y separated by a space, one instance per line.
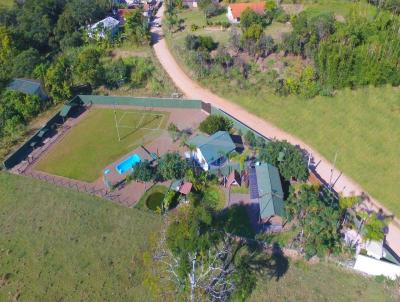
pixel 79 187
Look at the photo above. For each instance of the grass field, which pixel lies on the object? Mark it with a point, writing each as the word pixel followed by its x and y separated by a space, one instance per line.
pixel 60 245
pixel 322 282
pixel 93 143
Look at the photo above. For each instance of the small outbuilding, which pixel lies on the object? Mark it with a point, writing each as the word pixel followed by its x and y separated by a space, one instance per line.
pixel 28 86
pixel 266 190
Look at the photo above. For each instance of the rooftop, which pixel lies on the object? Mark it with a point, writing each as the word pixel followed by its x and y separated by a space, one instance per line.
pixel 239 8
pixel 215 146
pixel 265 185
pixel 27 86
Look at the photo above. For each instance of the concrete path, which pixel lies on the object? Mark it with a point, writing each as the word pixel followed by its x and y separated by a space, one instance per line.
pixel 326 170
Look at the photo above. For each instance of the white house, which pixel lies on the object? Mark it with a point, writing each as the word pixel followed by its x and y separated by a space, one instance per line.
pixel 211 150
pixel 106 26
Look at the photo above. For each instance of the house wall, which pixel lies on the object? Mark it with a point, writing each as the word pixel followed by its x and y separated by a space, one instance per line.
pixel 230 16
pixel 201 160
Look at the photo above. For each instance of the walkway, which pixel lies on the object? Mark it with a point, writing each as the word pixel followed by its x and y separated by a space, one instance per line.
pixel 324 168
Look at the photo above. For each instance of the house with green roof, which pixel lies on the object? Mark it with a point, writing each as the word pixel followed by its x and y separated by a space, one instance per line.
pixel 266 191
pixel 28 86
pixel 211 151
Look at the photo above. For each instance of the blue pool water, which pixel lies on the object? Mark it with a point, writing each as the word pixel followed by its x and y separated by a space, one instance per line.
pixel 128 163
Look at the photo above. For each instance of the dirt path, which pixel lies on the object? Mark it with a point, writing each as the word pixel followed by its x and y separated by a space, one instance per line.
pixel 323 167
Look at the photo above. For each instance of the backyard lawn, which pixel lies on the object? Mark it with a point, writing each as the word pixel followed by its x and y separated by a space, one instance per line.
pixel 93 143
pixel 60 245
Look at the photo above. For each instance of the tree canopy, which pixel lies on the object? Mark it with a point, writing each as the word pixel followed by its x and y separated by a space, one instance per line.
pixel 215 123
pixel 289 159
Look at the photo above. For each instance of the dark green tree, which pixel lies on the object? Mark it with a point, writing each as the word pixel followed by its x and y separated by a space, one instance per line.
pixel 143 172
pixel 171 166
pixel 288 158
pixel 214 123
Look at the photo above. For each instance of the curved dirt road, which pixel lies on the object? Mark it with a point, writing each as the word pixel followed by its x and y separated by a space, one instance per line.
pixel 326 170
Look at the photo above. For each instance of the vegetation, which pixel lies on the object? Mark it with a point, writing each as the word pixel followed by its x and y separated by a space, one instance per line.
pixel 171 166
pixel 48 41
pixel 215 123
pixel 317 215
pixel 58 244
pixel 343 118
pixel 320 282
pixel 287 157
pixel 87 149
pixel 143 171
pixel 197 261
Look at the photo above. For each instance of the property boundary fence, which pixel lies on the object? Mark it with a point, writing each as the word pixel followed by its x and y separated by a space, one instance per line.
pixel 78 186
pixel 56 120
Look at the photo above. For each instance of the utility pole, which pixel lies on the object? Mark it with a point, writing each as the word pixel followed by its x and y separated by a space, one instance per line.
pixel 334 164
pixel 116 124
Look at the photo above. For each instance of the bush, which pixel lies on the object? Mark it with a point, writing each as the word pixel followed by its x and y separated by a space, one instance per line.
pixel 116 74
pixel 193 42
pixel 194 27
pixel 141 71
pixel 214 123
pixel 214 10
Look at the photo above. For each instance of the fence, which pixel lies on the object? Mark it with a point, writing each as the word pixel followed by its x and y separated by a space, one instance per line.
pixel 142 102
pixel 78 186
pixel 26 148
pixel 236 123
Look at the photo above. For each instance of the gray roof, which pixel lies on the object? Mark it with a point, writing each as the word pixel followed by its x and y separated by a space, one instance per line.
pixel 269 189
pixel 26 86
pixel 108 22
pixel 215 146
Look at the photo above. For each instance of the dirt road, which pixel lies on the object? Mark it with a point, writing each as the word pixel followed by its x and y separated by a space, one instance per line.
pixel 325 169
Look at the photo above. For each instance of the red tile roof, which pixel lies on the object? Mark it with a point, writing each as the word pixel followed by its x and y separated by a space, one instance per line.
pixel 185 188
pixel 234 176
pixel 238 8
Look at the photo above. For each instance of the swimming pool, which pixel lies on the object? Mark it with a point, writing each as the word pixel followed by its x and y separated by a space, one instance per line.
pixel 128 163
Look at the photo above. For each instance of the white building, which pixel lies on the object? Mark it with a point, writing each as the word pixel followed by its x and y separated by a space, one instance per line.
pixel 106 26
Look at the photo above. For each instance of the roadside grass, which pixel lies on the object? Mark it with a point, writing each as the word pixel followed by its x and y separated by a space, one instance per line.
pixel 321 282
pixel 361 125
pixel 61 245
pixel 141 204
pixel 93 143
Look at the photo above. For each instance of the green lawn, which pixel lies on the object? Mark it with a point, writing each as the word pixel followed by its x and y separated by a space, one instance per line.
pixel 93 143
pixel 196 16
pixel 60 245
pixel 321 282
